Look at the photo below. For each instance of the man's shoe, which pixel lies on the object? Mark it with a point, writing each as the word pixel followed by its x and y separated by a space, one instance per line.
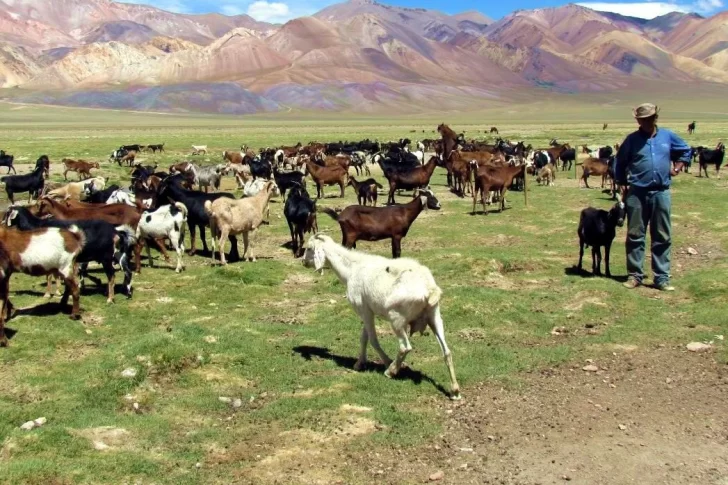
pixel 632 283
pixel 665 287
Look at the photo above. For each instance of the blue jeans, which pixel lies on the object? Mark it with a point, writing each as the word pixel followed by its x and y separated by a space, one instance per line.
pixel 649 207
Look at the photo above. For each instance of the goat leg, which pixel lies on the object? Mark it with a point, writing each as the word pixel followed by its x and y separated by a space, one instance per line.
pixel 4 307
pixel 438 328
pixel 111 275
pixel 581 253
pixel 607 248
pixel 404 348
pixel 193 240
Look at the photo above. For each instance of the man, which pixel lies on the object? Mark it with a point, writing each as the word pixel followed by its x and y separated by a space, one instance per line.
pixel 643 170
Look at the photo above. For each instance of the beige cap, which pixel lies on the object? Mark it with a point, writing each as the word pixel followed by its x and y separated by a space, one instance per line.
pixel 645 110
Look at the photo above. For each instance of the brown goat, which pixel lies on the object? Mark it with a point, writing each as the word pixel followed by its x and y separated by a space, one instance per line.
pixel 117 214
pixel 47 251
pixel 416 178
pixel 81 167
pixel 128 158
pixel 460 168
pixel 323 176
pixel 594 166
pixel 233 157
pixel 497 179
pixel 366 190
pixel 361 223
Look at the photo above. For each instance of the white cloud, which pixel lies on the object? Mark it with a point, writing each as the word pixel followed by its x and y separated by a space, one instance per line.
pixel 265 11
pixel 649 10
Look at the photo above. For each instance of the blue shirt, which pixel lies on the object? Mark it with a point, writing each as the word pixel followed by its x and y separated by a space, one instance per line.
pixel 645 162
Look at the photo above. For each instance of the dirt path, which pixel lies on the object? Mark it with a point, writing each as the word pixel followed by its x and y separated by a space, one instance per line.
pixel 646 417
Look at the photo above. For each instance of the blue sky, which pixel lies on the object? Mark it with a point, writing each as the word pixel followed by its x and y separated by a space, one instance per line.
pixel 283 10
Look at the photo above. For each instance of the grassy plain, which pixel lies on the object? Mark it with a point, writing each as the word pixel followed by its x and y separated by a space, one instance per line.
pixel 283 339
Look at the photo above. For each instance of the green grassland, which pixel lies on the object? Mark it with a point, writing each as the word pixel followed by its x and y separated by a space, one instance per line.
pixel 283 339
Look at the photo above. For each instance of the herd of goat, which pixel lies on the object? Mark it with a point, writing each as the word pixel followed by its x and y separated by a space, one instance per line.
pixel 73 224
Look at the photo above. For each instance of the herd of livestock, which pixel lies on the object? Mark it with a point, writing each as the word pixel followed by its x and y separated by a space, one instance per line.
pixel 73 224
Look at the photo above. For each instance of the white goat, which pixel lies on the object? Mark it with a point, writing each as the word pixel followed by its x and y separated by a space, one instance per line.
pixel 253 187
pixel 401 290
pixel 121 197
pixel 167 222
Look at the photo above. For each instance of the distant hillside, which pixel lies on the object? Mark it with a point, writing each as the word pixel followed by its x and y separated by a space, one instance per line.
pixel 360 55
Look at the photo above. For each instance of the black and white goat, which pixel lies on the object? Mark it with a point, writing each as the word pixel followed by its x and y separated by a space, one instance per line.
pixel 167 222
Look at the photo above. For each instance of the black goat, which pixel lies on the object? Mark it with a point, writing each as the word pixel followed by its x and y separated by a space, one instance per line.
pixel 300 212
pixel 32 183
pixel 94 196
pixel 261 168
pixel 711 157
pixel 105 244
pixel 7 161
pixel 598 228
pixel 171 189
pixel 288 180
pixel 568 157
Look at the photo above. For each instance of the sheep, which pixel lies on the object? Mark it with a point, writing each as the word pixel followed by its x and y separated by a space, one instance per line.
pixel 166 222
pixel 403 291
pixel 231 217
pixel 75 189
pixel 598 228
pixel 49 250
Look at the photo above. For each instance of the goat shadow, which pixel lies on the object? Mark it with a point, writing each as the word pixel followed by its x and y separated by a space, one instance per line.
pixel 582 273
pixel 9 333
pixel 417 377
pixel 43 310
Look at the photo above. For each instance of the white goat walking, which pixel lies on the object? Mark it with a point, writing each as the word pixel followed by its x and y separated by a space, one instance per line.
pixel 401 290
pixel 167 222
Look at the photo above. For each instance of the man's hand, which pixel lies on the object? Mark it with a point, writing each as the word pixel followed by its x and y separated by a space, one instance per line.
pixel 676 169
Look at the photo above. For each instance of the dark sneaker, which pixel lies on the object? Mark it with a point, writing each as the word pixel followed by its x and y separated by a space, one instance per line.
pixel 665 287
pixel 632 283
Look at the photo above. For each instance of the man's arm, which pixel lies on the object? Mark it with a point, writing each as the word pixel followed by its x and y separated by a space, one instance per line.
pixel 680 150
pixel 620 165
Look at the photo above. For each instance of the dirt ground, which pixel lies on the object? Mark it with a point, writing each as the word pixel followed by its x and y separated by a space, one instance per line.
pixel 647 416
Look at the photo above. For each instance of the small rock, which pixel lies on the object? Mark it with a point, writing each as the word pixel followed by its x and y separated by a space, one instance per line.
pixel 437 447
pixel 129 373
pixel 698 347
pixel 590 368
pixel 198 465
pixel 136 408
pixel 100 446
pixel 224 399
pixel 566 477
pixel 237 403
pixel 88 332
pixel 559 331
pixel 692 252
pixel 333 302
pixel 491 438
pixel 438 475
pixel 210 339
pixel 719 337
pixel 622 427
pixel 464 466
pixel 668 381
pixel 466 450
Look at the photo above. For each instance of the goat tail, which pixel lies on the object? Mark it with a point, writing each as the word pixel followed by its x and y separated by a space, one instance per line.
pixel 78 232
pixel 208 208
pixel 331 213
pixel 183 208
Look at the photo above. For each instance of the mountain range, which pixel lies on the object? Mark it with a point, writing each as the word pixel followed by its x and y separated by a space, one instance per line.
pixel 359 56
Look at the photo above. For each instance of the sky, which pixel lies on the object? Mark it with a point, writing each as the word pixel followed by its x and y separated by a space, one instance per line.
pixel 278 11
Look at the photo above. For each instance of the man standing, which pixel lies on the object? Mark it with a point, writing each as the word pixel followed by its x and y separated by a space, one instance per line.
pixel 643 170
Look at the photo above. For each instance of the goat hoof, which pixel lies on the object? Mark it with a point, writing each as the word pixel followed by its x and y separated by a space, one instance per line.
pixel 47 296
pixel 75 317
pixel 109 300
pixel 4 342
pixel 360 365
pixel 456 396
